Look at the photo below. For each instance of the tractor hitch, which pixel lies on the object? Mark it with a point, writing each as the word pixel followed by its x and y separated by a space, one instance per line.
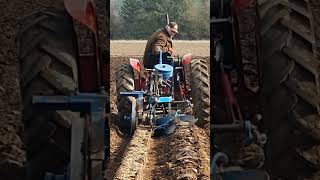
pixel 88 148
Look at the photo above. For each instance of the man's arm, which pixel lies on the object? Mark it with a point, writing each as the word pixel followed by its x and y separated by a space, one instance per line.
pixel 160 44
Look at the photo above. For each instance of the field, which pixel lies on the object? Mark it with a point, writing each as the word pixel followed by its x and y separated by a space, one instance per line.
pixel 143 157
pixel 136 48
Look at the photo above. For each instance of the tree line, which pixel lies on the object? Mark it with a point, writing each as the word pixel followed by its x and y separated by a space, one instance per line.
pixel 138 19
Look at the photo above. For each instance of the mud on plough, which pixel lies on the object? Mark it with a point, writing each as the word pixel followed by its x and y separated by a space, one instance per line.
pixel 159 95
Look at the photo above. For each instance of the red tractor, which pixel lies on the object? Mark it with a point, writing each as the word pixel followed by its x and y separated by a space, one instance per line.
pixel 65 66
pixel 267 52
pixel 237 151
pixel 158 94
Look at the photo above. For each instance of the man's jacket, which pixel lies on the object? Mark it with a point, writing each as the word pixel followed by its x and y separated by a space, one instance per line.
pixel 159 40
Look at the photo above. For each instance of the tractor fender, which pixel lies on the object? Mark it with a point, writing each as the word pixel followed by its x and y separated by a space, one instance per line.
pixel 83 11
pixel 186 59
pixel 135 64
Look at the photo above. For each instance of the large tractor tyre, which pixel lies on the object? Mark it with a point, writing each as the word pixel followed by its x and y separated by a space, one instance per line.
pixel 47 54
pixel 200 91
pixel 124 83
pixel 289 64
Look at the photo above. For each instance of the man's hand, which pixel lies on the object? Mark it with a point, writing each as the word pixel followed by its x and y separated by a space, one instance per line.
pixel 170 51
pixel 158 50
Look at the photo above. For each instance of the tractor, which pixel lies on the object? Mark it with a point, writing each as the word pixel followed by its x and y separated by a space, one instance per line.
pixel 237 147
pixel 161 95
pixel 274 89
pixel 64 82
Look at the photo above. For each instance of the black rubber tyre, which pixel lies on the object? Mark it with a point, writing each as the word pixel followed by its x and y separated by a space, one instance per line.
pixel 289 63
pixel 124 83
pixel 47 54
pixel 200 91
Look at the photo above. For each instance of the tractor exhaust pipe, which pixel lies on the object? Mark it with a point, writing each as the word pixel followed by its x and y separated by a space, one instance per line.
pixel 167 17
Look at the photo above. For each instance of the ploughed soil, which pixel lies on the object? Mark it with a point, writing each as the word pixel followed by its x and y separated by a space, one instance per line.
pixel 184 154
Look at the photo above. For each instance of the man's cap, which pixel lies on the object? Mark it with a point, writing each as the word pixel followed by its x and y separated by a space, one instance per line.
pixel 174 27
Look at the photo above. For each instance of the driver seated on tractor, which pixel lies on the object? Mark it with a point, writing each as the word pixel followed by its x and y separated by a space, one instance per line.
pixel 160 41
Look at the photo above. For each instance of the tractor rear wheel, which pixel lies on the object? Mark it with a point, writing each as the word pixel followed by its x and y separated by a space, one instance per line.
pixel 47 55
pixel 200 91
pixel 124 83
pixel 289 63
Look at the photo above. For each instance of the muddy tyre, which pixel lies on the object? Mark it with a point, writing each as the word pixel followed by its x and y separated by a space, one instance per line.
pixel 47 55
pixel 289 65
pixel 124 83
pixel 200 91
